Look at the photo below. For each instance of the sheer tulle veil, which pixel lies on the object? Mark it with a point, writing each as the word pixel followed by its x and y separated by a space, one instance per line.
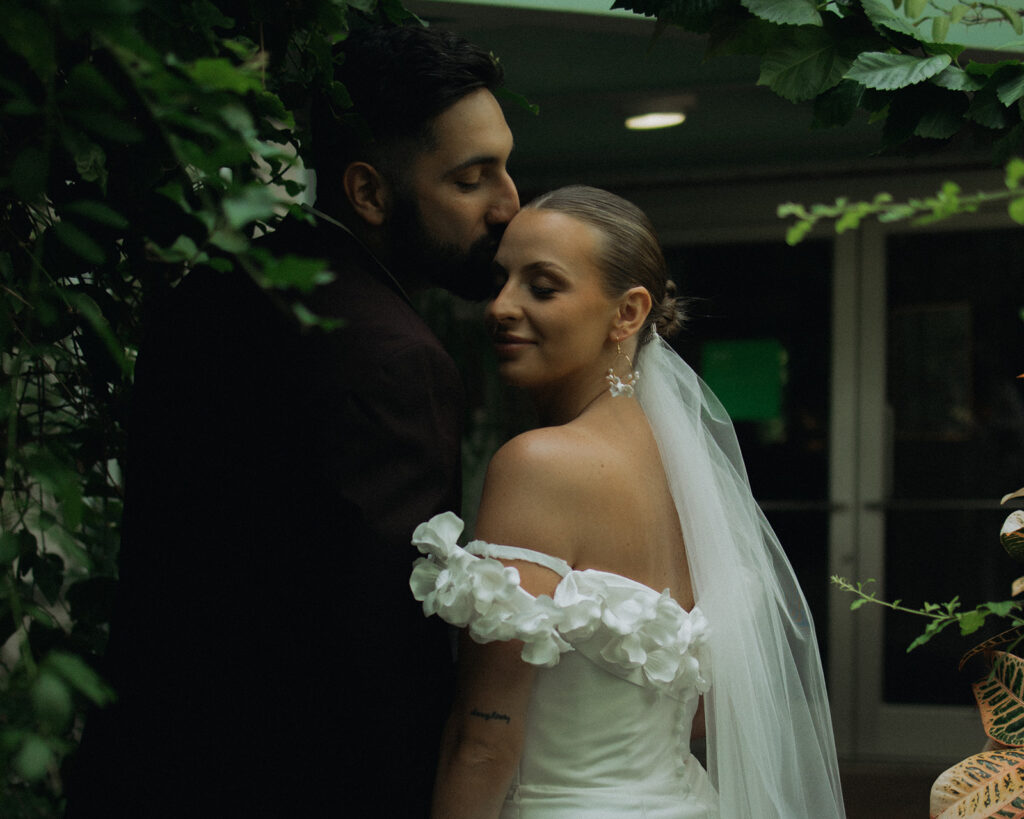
pixel 771 751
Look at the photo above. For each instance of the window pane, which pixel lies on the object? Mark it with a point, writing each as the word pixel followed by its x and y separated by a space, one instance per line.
pixel 957 428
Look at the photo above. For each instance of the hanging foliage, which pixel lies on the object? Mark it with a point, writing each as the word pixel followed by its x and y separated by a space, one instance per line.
pixel 889 60
pixel 137 141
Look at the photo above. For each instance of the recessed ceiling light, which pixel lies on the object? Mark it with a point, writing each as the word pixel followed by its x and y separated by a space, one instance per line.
pixel 662 119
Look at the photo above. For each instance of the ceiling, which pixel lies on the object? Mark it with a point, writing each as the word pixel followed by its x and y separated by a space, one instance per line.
pixel 586 72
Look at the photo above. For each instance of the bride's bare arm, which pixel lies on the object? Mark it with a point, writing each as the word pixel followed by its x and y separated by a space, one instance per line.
pixel 483 738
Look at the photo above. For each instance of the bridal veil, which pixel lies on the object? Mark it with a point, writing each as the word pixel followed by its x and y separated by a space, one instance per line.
pixel 771 750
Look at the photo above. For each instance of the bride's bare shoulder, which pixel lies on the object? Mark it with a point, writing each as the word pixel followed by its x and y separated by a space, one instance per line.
pixel 537 486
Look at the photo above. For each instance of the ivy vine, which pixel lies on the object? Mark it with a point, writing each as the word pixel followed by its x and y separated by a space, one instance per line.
pixel 137 141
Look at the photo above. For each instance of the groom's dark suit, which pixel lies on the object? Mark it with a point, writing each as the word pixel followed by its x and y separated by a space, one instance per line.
pixel 268 653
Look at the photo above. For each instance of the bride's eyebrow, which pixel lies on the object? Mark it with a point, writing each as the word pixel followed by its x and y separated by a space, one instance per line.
pixel 545 267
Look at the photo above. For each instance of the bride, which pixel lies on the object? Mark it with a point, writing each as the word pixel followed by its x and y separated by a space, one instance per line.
pixel 624 593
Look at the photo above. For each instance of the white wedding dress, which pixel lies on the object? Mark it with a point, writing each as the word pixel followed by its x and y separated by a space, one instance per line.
pixel 622 668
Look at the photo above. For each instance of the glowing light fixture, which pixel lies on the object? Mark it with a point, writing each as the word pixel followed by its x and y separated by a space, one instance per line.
pixel 661 119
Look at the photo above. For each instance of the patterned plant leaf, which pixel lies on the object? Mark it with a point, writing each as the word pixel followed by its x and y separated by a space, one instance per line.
pixel 1012 635
pixel 989 785
pixel 1012 535
pixel 1000 699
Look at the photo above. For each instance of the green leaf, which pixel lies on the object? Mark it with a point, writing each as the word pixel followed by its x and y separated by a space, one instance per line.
pixel 77 672
pixel 90 159
pixel 837 105
pixel 109 126
pixel 60 481
pixel 51 700
pixel 940 28
pixel 1012 16
pixel 692 15
pixel 991 69
pixel 939 123
pixel 39 614
pixel 253 203
pixel 34 758
pixel 856 604
pixel 1014 174
pixel 9 548
pixel 90 311
pixel 79 241
pixel 87 86
pixel 971 621
pixel 28 34
pixel 986 109
pixel 802 64
pixel 876 69
pixel 1016 210
pixel 518 100
pixel 1002 608
pixel 915 8
pixel 882 13
pixel 786 12
pixel 1011 90
pixel 796 233
pixel 220 74
pixel 896 213
pixel 955 78
pixel 28 173
pixel 288 271
pixel 97 212
pixel 183 249
pixel 48 574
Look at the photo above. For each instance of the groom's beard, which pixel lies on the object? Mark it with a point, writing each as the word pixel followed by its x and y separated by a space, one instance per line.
pixel 418 256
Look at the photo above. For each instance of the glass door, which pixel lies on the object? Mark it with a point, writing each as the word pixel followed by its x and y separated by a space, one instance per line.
pixel 934 437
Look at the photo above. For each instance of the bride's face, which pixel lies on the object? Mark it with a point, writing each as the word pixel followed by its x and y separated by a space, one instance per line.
pixel 551 318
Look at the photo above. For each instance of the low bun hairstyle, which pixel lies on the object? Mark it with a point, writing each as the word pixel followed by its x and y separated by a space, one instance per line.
pixel 630 255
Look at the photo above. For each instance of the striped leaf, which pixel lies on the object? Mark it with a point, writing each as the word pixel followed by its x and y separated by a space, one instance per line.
pixel 1000 698
pixel 1012 535
pixel 1012 636
pixel 989 785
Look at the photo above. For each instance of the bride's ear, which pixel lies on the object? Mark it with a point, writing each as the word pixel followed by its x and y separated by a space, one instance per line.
pixel 632 312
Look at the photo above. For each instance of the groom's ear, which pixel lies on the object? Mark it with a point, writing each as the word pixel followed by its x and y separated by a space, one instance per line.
pixel 634 306
pixel 367 192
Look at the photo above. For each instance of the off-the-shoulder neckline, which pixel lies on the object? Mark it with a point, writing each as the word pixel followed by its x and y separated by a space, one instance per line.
pixel 484 549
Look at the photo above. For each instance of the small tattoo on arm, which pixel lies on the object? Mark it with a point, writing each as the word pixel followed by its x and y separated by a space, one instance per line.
pixel 492 715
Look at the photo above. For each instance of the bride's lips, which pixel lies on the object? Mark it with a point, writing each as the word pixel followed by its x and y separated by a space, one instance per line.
pixel 508 344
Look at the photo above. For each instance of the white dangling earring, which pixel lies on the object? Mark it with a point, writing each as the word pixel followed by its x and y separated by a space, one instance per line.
pixel 619 386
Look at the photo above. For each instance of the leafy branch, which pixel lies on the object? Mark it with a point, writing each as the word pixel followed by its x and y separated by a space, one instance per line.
pixel 940 615
pixel 877 57
pixel 947 202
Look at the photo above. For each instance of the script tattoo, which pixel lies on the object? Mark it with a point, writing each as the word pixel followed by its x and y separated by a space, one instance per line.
pixel 490 716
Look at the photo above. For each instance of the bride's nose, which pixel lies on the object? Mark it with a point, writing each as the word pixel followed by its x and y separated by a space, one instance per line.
pixel 503 308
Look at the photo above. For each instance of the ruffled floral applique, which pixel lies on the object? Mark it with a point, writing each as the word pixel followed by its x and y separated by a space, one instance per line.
pixel 647 631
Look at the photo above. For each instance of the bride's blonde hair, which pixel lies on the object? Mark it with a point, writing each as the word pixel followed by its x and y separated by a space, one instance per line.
pixel 630 255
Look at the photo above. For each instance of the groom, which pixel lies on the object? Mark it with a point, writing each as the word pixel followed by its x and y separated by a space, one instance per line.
pixel 269 657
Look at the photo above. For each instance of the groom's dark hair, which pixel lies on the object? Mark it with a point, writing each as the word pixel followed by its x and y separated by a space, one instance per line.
pixel 398 79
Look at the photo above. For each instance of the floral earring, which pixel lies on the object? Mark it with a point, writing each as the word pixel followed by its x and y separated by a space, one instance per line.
pixel 622 386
